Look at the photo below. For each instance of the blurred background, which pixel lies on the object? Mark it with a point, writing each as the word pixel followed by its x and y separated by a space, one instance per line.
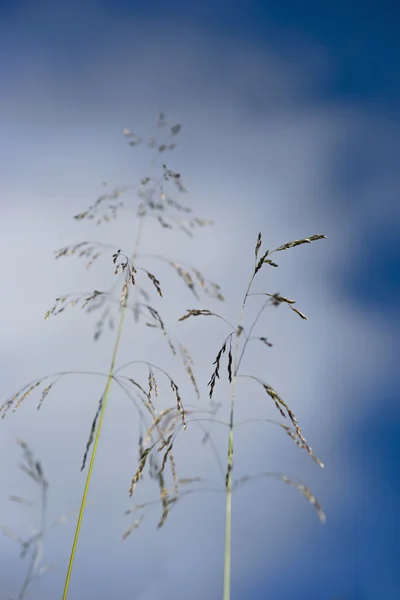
pixel 291 127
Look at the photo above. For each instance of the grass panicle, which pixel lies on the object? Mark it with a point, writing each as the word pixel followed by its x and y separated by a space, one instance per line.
pixel 32 546
pixel 128 294
pixel 135 285
pixel 235 357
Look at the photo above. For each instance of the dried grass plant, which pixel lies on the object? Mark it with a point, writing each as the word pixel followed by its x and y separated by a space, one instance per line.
pixel 32 547
pixel 161 426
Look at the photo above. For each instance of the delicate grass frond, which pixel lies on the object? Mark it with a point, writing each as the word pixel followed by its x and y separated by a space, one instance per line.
pixel 191 276
pixel 32 546
pixel 267 261
pixel 132 528
pixel 103 213
pixel 303 316
pixel 283 408
pixel 261 262
pixel 167 502
pixel 258 245
pixel 135 383
pixel 91 250
pixel 188 364
pixel 303 489
pixel 189 480
pixel 230 361
pixel 313 238
pixel 176 129
pixel 174 473
pixel 164 443
pixel 156 316
pixel 162 420
pixel 155 282
pixel 216 362
pixel 215 374
pixel 165 457
pixel 292 433
pixel 12 535
pixel 124 294
pixel 16 400
pixel 179 404
pixel 158 431
pixel 152 386
pixel 277 299
pixel 265 341
pixel 73 299
pixel 92 432
pixel 142 464
pixel 196 312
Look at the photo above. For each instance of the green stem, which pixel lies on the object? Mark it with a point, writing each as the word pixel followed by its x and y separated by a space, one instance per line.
pixel 98 432
pixel 228 508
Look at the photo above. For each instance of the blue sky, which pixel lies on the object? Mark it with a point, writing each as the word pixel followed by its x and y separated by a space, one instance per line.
pixel 295 107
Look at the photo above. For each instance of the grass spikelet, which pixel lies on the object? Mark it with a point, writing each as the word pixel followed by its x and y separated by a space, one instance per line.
pixel 31 467
pixel 166 454
pixel 267 261
pixel 303 489
pixel 306 492
pixel 152 386
pixel 103 213
pixel 294 436
pixel 188 362
pixel 73 299
pixel 155 282
pixel 285 411
pixel 142 464
pixel 217 361
pixel 195 313
pixel 165 443
pixel 215 374
pixel 16 400
pixel 136 384
pixel 258 245
pixel 156 316
pixel 265 341
pixel 92 432
pixel 164 417
pixel 174 474
pixel 124 294
pixel 44 394
pixel 261 262
pixel 179 404
pixel 308 240
pixel 132 528
pixel 303 316
pixel 230 361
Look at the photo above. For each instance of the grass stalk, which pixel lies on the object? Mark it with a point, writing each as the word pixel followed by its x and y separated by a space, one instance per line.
pixel 99 427
pixel 228 482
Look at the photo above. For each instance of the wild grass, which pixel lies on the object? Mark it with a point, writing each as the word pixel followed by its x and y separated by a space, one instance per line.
pixel 32 547
pixel 160 426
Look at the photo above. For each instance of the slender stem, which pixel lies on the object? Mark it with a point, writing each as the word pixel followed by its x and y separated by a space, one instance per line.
pixel 93 456
pixel 98 432
pixel 248 337
pixel 228 481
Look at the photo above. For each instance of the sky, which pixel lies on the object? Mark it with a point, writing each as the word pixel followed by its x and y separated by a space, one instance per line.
pixel 290 127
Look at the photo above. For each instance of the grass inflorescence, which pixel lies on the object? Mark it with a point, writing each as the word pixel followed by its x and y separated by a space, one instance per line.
pixel 131 293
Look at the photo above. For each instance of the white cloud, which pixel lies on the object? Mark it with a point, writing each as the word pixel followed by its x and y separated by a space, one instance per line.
pixel 273 173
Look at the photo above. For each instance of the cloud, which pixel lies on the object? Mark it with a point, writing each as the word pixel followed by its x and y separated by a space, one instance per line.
pixel 259 152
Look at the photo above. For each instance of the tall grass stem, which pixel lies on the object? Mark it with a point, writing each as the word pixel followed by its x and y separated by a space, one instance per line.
pixel 99 427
